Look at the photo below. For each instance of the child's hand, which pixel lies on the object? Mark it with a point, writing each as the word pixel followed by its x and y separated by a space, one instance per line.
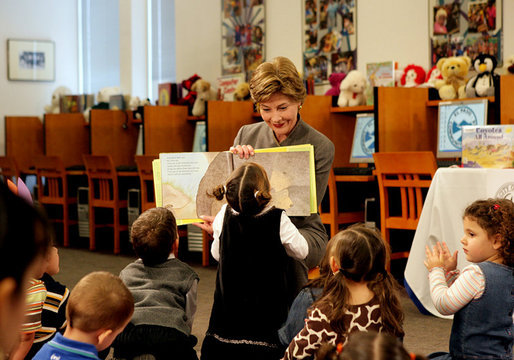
pixel 434 258
pixel 450 261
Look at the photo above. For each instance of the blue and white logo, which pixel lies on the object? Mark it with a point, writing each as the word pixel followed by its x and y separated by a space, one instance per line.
pixel 461 116
pixel 368 138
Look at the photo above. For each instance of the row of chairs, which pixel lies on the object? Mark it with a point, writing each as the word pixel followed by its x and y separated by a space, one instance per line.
pixel 52 181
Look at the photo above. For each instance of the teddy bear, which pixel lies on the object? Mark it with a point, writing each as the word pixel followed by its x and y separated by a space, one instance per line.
pixel 335 81
pixel 352 89
pixel 413 75
pixel 483 83
pixel 242 92
pixel 454 71
pixel 54 107
pixel 204 93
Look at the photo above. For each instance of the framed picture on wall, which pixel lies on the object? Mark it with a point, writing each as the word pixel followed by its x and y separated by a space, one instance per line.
pixel 30 60
pixel 466 27
pixel 242 36
pixel 330 38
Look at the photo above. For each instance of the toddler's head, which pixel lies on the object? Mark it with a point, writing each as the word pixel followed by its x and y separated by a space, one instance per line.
pixel 489 231
pixel 153 234
pixel 367 346
pixel 24 240
pixel 247 189
pixel 359 253
pixel 100 305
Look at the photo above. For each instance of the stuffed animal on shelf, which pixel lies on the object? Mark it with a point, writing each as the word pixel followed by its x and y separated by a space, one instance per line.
pixel 54 107
pixel 413 75
pixel 433 75
pixel 335 81
pixel 454 71
pixel 352 89
pixel 482 84
pixel 190 98
pixel 509 64
pixel 242 92
pixel 204 93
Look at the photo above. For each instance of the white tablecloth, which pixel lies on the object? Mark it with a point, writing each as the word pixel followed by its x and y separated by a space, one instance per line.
pixel 451 191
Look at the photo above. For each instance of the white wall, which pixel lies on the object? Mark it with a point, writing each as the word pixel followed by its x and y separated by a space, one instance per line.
pixel 54 20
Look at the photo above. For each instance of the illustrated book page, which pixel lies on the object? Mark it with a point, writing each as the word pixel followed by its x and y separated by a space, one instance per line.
pixel 187 180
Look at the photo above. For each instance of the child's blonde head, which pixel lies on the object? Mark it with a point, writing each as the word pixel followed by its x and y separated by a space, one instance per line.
pixel 100 300
pixel 496 217
pixel 247 189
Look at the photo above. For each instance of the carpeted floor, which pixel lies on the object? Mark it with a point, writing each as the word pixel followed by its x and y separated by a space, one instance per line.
pixel 424 334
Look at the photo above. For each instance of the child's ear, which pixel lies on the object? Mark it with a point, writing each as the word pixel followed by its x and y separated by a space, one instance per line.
pixel 333 265
pixel 103 339
pixel 497 241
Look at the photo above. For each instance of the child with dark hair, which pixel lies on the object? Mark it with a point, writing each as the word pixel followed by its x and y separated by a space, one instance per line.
pixel 24 241
pixel 480 297
pixel 360 296
pixel 99 308
pixel 367 346
pixel 164 290
pixel 254 244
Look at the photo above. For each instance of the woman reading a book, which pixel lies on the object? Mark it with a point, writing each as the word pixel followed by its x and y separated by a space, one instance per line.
pixel 279 92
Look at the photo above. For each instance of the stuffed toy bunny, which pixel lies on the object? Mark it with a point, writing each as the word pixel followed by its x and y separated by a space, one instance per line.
pixel 352 89
pixel 204 93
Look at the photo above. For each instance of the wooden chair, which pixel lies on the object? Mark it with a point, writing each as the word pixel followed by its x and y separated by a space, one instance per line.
pixel 334 217
pixel 104 193
pixel 53 190
pixel 145 171
pixel 9 168
pixel 403 180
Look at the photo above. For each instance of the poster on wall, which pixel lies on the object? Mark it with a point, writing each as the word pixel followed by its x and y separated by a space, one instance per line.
pixel 330 39
pixel 466 27
pixel 242 36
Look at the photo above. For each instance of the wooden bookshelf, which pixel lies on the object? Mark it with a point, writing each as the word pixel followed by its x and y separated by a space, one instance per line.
pixel 506 99
pixel 24 140
pixel 435 103
pixel 352 109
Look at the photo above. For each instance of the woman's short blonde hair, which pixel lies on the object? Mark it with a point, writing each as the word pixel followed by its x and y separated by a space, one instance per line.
pixel 278 75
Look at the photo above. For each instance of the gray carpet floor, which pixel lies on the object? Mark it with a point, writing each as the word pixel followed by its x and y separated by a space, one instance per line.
pixel 424 334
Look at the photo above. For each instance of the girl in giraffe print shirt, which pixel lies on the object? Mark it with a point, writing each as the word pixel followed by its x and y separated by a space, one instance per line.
pixel 361 296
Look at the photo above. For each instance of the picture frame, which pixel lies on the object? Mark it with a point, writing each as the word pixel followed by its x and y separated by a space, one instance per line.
pixel 329 28
pixel 243 36
pixel 30 60
pixel 468 27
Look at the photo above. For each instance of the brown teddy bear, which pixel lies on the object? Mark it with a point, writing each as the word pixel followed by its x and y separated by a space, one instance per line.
pixel 454 71
pixel 242 92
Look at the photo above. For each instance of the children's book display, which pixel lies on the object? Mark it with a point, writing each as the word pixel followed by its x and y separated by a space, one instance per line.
pixel 489 146
pixel 379 74
pixel 184 181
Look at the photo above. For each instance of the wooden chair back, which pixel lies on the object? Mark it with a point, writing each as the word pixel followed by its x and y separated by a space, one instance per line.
pixel 9 168
pixel 403 180
pixel 145 171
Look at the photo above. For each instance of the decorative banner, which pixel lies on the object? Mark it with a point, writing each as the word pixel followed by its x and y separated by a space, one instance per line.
pixel 330 38
pixel 243 36
pixel 465 27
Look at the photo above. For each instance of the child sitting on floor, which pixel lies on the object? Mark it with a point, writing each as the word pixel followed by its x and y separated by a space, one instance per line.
pixel 53 316
pixel 164 290
pixel 360 296
pixel 481 296
pixel 99 308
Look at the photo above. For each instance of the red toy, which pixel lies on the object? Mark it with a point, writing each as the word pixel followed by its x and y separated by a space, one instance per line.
pixel 335 80
pixel 413 75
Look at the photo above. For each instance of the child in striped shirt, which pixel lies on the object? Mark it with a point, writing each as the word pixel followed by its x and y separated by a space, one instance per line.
pixel 481 296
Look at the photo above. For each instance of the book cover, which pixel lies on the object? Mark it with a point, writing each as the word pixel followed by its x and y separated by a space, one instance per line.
pixel 116 102
pixel 378 74
pixel 227 86
pixel 489 146
pixel 164 94
pixel 187 179
pixel 75 103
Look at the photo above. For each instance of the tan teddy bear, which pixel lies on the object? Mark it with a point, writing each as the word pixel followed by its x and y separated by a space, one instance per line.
pixel 242 92
pixel 454 71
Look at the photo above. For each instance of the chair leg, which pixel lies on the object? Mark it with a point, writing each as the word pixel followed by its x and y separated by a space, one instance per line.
pixel 205 248
pixel 116 229
pixel 92 239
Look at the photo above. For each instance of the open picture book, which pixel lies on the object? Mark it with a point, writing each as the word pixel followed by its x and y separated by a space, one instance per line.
pixel 184 181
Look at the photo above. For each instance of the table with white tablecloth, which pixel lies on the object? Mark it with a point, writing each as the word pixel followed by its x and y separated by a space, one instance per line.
pixel 451 191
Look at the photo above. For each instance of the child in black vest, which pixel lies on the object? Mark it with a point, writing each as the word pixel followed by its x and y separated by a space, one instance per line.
pixel 253 243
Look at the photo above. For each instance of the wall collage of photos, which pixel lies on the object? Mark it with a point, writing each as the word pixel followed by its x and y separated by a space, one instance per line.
pixel 243 36
pixel 330 38
pixel 465 27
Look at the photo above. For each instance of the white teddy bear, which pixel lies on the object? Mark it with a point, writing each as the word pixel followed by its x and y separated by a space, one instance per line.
pixel 204 94
pixel 352 89
pixel 54 107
